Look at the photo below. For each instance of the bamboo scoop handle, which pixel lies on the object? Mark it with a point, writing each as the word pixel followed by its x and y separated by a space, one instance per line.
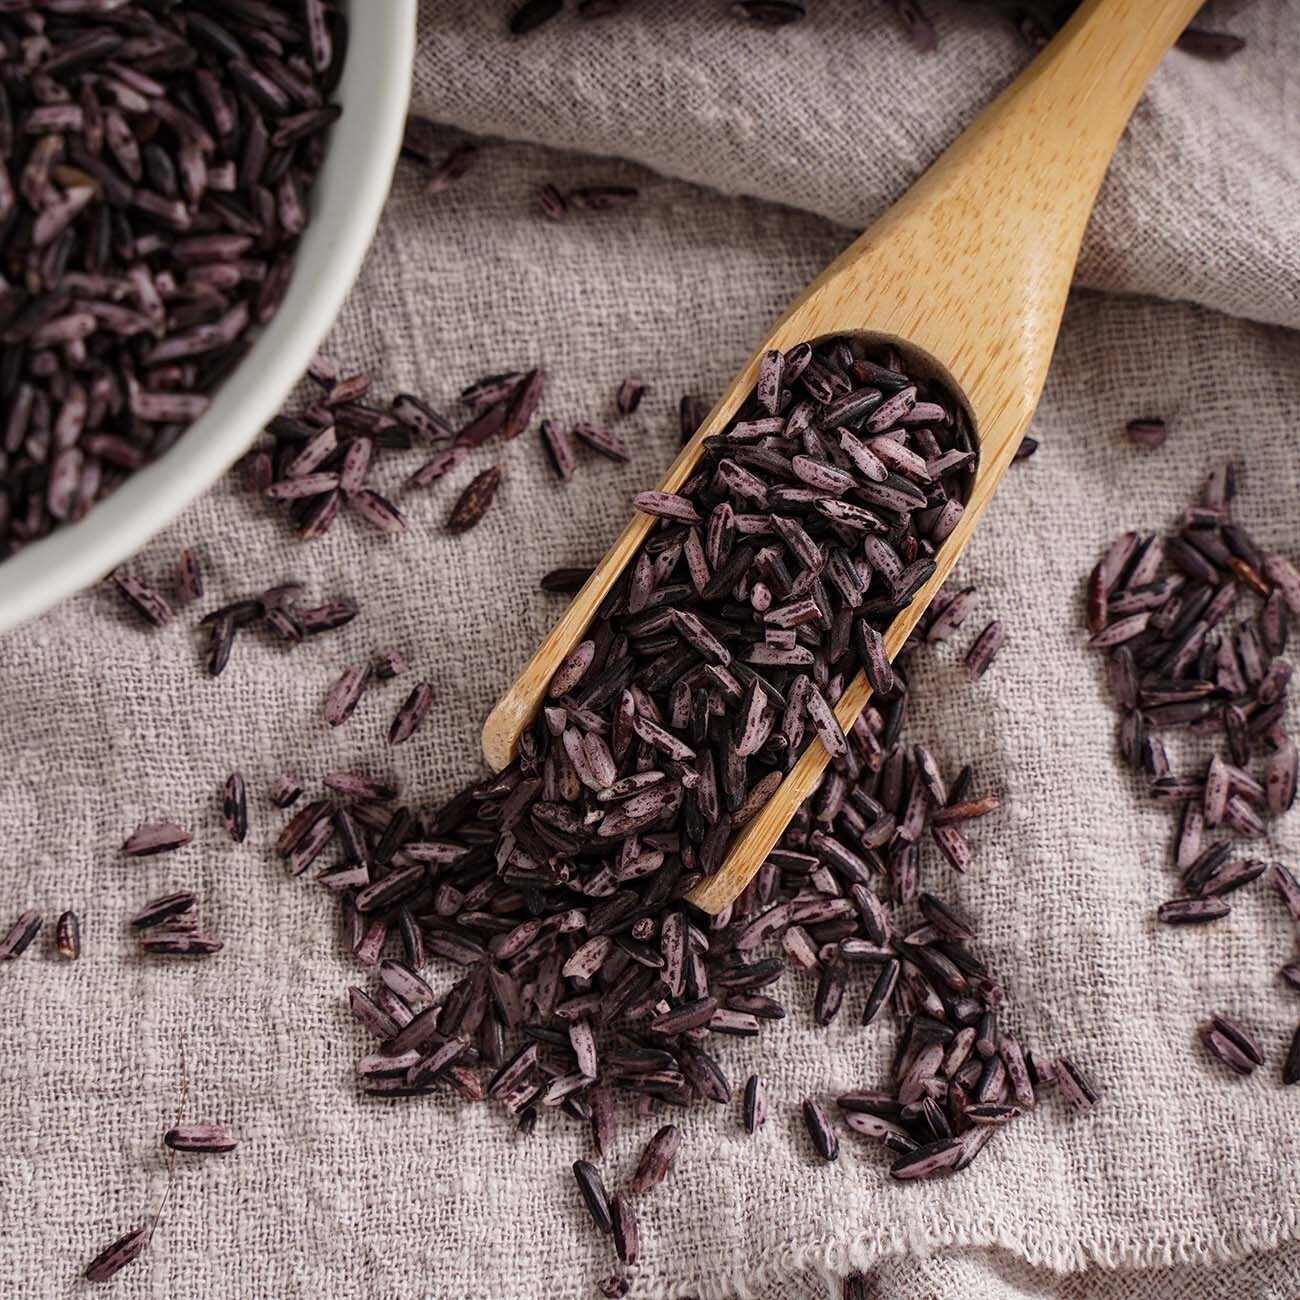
pixel 971 268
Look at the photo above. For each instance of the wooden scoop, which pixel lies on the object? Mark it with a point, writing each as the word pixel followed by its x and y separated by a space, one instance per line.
pixel 967 274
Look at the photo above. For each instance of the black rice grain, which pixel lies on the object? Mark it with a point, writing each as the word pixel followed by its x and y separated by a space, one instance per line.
pixel 824 1138
pixel 530 15
pixel 187 581
pixel 656 1159
pixel 1210 45
pixel 755 1103
pixel 627 1237
pixel 1228 1051
pixel 980 656
pixel 1161 606
pixel 473 502
pixel 769 13
pixel 411 714
pixel 1150 433
pixel 629 396
pixel 286 790
pixel 181 945
pixel 557 886
pixel 1239 1036
pixel 144 600
pixel 345 694
pixel 24 930
pixel 67 934
pixel 234 807
pixel 928 1160
pixel 603 198
pixel 155 170
pixel 158 911
pixel 115 1257
pixel 1291 1066
pixel 155 837
pixel 197 1136
pixel 552 202
pixel 1193 911
pixel 594 1195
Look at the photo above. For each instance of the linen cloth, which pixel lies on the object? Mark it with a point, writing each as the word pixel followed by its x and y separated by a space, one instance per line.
pixel 1182 1184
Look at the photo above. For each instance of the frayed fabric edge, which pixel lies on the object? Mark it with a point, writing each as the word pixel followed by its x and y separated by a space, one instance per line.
pixel 837 1259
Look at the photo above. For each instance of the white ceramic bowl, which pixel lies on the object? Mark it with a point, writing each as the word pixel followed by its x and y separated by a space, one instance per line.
pixel 345 205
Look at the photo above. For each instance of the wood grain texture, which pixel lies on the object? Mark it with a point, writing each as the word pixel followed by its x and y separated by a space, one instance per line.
pixel 969 272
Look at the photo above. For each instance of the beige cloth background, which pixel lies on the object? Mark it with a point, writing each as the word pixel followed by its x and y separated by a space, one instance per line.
pixel 1182 1185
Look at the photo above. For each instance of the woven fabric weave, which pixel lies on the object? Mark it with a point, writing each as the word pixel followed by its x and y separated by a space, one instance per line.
pixel 1181 1185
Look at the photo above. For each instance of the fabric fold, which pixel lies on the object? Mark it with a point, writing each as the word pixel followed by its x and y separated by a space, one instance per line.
pixel 838 114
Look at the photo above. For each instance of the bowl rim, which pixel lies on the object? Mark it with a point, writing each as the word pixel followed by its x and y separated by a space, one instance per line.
pixel 333 248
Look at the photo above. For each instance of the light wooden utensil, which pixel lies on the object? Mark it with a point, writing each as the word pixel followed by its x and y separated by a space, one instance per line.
pixel 968 274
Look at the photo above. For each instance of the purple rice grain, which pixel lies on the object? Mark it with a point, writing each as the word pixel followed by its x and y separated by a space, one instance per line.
pixel 1239 1036
pixel 523 405
pixel 181 945
pixel 426 423
pixel 155 837
pixel 221 639
pixel 626 1233
pixel 144 600
pixel 1232 876
pixel 1209 45
pixel 485 425
pixel 234 807
pixel 411 714
pixel 630 394
pixel 436 467
pixel 325 618
pixel 557 886
pixel 824 1139
pixel 1193 911
pixel 602 441
pixel 603 198
pixel 158 911
pixel 198 1136
pixel 67 936
pixel 358 786
pixel 565 581
pixel 1291 1065
pixel 769 13
pixel 388 664
pixel 24 930
pixel 451 168
pixel 656 1159
pixel 552 202
pixel 473 502
pixel 286 790
pixel 559 448
pixel 345 694
pixel 148 180
pixel 1227 1051
pixel 115 1257
pixel 594 1195
pixel 1287 888
pixel 1148 433
pixel 530 15
pixel 928 1160
pixel 187 581
pixel 1074 1084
